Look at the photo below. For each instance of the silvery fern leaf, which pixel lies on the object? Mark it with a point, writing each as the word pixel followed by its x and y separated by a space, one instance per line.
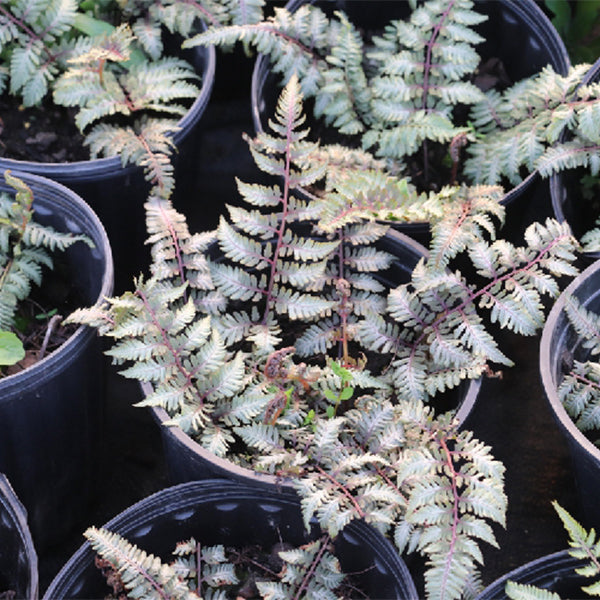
pixel 523 591
pixel 293 40
pixel 148 143
pixel 525 125
pixel 177 255
pixel 35 38
pixel 142 574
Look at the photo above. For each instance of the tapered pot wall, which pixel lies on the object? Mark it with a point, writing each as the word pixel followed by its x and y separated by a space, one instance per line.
pixel 232 514
pixel 517 33
pixel 559 346
pixel 117 194
pixel 18 558
pixel 50 413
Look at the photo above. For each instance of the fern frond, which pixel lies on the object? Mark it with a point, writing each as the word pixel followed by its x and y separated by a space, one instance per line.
pixel 585 322
pixel 34 37
pixel 522 591
pixel 149 143
pixel 143 575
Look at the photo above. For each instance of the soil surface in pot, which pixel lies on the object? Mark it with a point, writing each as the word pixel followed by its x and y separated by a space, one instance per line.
pixel 39 134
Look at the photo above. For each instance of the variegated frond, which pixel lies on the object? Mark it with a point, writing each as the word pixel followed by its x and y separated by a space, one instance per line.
pixel 253 222
pixel 243 249
pixel 440 338
pixel 404 137
pixel 177 255
pixel 585 545
pixel 344 98
pixel 297 305
pixel 284 152
pixel 470 213
pixel 180 16
pixel 311 568
pixel 141 573
pixel 97 91
pixel 34 38
pixel 525 591
pixel 455 499
pixel 411 98
pixel 340 162
pixel 297 42
pixel 585 322
pixel 524 124
pixel 149 144
pixel 579 391
pixel 367 195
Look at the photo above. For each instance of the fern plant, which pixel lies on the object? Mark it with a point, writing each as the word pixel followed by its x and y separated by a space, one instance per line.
pixel 26 249
pixel 196 571
pixel 106 72
pixel 406 94
pixel 276 334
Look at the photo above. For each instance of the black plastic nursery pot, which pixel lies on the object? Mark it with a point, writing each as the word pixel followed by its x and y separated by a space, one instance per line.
pixel 18 558
pixel 233 514
pixel 187 460
pixel 559 346
pixel 117 194
pixel 517 33
pixel 554 572
pixel 568 202
pixel 50 413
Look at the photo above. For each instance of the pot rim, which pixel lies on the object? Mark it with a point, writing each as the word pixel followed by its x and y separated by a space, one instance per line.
pixel 18 515
pixel 529 573
pixel 178 499
pixel 546 361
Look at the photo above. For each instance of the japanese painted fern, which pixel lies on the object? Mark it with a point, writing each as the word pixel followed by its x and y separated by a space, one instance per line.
pixel 218 330
pixel 103 71
pixel 215 572
pixel 395 93
pixel 408 94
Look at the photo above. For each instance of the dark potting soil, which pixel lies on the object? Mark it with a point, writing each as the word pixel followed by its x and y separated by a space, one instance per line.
pixel 45 133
